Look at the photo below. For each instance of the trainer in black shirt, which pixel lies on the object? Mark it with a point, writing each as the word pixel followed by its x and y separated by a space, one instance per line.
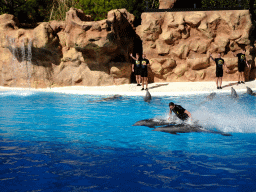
pixel 136 68
pixel 241 66
pixel 179 111
pixel 219 69
pixel 144 71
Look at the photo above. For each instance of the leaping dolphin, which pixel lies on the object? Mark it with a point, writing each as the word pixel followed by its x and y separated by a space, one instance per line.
pixel 233 93
pixel 147 97
pixel 250 92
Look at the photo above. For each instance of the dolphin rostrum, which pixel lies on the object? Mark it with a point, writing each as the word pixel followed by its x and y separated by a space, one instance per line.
pixel 250 92
pixel 233 93
pixel 147 97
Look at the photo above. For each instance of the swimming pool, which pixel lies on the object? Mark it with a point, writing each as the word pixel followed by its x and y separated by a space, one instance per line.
pixel 64 142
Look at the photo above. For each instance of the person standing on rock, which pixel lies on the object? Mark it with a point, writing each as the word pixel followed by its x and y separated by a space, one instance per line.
pixel 219 69
pixel 136 68
pixel 241 65
pixel 144 71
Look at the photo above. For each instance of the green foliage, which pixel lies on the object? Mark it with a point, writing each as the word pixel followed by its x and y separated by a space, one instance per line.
pixel 60 7
pixel 98 9
pixel 225 3
pixel 27 11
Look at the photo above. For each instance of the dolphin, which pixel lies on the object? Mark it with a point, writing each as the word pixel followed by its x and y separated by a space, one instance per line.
pixel 208 98
pixel 211 96
pixel 250 92
pixel 147 97
pixel 163 125
pixel 233 93
pixel 186 128
pixel 152 123
pixel 108 98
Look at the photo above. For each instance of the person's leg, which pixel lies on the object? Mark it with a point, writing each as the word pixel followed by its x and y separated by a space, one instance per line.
pixel 239 77
pixel 146 79
pixel 243 77
pixel 137 79
pixel 143 82
pixel 217 82
pixel 220 81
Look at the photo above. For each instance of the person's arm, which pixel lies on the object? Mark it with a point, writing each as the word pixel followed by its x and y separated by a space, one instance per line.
pixel 170 114
pixel 247 63
pixel 188 113
pixel 133 57
pixel 132 67
pixel 212 57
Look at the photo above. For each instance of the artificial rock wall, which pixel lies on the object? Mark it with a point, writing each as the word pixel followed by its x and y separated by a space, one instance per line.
pixel 178 44
pixel 79 51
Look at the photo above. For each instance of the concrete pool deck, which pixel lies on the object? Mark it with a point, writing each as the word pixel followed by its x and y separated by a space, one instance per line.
pixel 156 89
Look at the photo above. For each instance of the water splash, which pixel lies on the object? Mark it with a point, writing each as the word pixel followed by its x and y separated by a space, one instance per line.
pixel 227 115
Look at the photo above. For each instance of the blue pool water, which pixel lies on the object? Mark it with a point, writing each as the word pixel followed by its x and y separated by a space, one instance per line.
pixel 62 142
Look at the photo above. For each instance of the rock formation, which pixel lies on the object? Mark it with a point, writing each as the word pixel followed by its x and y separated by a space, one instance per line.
pixel 77 51
pixel 178 44
pixel 166 4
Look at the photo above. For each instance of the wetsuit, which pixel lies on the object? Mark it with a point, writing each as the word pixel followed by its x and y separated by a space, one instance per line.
pixel 241 62
pixel 179 112
pixel 219 67
pixel 137 67
pixel 144 67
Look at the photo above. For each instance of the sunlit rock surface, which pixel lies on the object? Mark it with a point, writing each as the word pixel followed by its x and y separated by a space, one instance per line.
pixel 189 37
pixel 79 51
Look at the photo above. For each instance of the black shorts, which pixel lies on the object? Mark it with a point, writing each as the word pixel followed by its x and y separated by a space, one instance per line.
pixel 219 73
pixel 144 73
pixel 241 67
pixel 137 71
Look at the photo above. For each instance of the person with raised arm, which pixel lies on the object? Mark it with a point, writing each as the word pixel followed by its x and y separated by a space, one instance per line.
pixel 136 68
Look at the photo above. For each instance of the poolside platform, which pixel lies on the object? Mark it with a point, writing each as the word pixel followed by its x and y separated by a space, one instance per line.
pixel 156 89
